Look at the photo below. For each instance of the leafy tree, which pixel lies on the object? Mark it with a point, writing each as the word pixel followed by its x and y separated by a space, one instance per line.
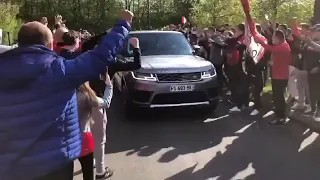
pixel 8 21
pixel 99 15
pixel 217 12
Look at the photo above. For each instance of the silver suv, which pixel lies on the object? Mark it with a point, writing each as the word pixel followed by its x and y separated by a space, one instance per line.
pixel 171 75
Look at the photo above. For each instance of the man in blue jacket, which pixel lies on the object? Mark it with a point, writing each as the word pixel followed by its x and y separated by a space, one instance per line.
pixel 39 129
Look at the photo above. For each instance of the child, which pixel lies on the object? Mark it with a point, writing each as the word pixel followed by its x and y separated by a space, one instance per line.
pixel 87 100
pixel 281 59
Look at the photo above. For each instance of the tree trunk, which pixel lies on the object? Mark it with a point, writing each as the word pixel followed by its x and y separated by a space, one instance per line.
pixel 316 12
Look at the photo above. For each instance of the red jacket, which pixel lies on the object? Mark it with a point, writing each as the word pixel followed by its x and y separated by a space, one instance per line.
pixel 281 57
pixel 233 54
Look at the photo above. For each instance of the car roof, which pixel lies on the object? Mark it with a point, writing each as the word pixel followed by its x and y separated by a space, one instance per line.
pixel 154 31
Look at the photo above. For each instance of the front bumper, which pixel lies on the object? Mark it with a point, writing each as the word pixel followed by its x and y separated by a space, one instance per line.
pixel 157 94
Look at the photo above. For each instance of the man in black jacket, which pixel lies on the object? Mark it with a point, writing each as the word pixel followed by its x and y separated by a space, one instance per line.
pixel 98 85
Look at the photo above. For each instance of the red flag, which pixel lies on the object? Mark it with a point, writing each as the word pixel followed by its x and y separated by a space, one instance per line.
pixel 183 20
pixel 246 7
pixel 255 50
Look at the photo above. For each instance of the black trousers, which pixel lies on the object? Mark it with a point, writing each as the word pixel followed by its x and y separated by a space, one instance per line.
pixel 87 166
pixel 256 80
pixel 239 85
pixel 314 90
pixel 278 90
pixel 266 74
pixel 221 77
pixel 65 173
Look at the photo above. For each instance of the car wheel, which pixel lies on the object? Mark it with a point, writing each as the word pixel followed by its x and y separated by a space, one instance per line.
pixel 130 110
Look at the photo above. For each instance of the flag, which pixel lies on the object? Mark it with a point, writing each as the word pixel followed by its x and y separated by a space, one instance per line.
pixel 255 50
pixel 246 7
pixel 183 20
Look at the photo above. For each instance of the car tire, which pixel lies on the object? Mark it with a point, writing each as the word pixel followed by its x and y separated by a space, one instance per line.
pixel 131 111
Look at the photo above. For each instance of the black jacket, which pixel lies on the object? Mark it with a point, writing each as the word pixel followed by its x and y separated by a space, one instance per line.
pixel 98 85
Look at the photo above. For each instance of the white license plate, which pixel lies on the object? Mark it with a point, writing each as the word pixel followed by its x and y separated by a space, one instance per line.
pixel 178 88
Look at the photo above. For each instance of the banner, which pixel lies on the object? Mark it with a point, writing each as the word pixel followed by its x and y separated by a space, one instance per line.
pixel 0 36
pixel 255 50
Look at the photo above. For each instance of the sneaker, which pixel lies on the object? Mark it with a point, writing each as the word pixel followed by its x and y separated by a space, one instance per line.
pixel 278 122
pixel 299 107
pixel 235 109
pixel 108 173
pixel 317 116
pixel 254 112
pixel 309 111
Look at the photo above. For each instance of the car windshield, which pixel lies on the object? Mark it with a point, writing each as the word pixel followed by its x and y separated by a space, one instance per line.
pixel 162 44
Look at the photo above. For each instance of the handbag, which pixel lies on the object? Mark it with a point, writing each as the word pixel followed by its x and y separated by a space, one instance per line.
pixel 87 144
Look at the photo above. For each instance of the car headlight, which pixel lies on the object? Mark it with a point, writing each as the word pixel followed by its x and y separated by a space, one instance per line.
pixel 144 76
pixel 208 74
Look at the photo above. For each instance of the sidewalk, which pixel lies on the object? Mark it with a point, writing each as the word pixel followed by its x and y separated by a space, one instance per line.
pixel 306 120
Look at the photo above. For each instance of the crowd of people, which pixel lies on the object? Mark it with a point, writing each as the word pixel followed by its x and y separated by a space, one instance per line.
pixel 55 86
pixel 291 57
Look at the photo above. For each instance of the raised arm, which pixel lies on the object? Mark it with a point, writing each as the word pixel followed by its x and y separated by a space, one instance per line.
pixel 129 66
pixel 294 27
pixel 313 44
pixel 90 64
pixel 263 41
pixel 105 102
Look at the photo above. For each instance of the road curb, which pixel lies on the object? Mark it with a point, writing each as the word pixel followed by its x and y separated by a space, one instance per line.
pixel 305 120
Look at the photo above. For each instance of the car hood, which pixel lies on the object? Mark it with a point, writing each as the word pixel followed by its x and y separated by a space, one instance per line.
pixel 174 62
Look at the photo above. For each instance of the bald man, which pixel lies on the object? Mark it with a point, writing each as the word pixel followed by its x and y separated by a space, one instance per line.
pixel 39 129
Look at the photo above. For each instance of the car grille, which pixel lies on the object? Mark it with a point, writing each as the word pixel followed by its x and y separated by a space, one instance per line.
pixel 179 77
pixel 181 97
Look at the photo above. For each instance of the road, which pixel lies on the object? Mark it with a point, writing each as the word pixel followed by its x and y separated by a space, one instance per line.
pixel 182 145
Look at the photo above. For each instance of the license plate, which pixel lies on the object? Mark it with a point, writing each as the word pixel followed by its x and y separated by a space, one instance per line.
pixel 178 88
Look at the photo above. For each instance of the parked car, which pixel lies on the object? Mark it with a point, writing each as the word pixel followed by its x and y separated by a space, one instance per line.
pixel 171 75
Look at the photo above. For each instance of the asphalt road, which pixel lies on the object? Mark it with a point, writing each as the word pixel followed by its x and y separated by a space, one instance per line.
pixel 183 145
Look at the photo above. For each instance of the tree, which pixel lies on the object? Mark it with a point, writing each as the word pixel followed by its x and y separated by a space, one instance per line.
pixel 217 12
pixel 316 12
pixel 99 15
pixel 8 21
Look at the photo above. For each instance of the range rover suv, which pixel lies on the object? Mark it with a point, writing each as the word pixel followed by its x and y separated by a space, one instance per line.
pixel 171 75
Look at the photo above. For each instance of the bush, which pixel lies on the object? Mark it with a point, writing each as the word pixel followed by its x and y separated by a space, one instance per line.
pixel 9 22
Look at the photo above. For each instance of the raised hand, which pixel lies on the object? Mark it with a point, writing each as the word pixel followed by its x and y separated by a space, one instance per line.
pixel 134 42
pixel 108 81
pixel 58 19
